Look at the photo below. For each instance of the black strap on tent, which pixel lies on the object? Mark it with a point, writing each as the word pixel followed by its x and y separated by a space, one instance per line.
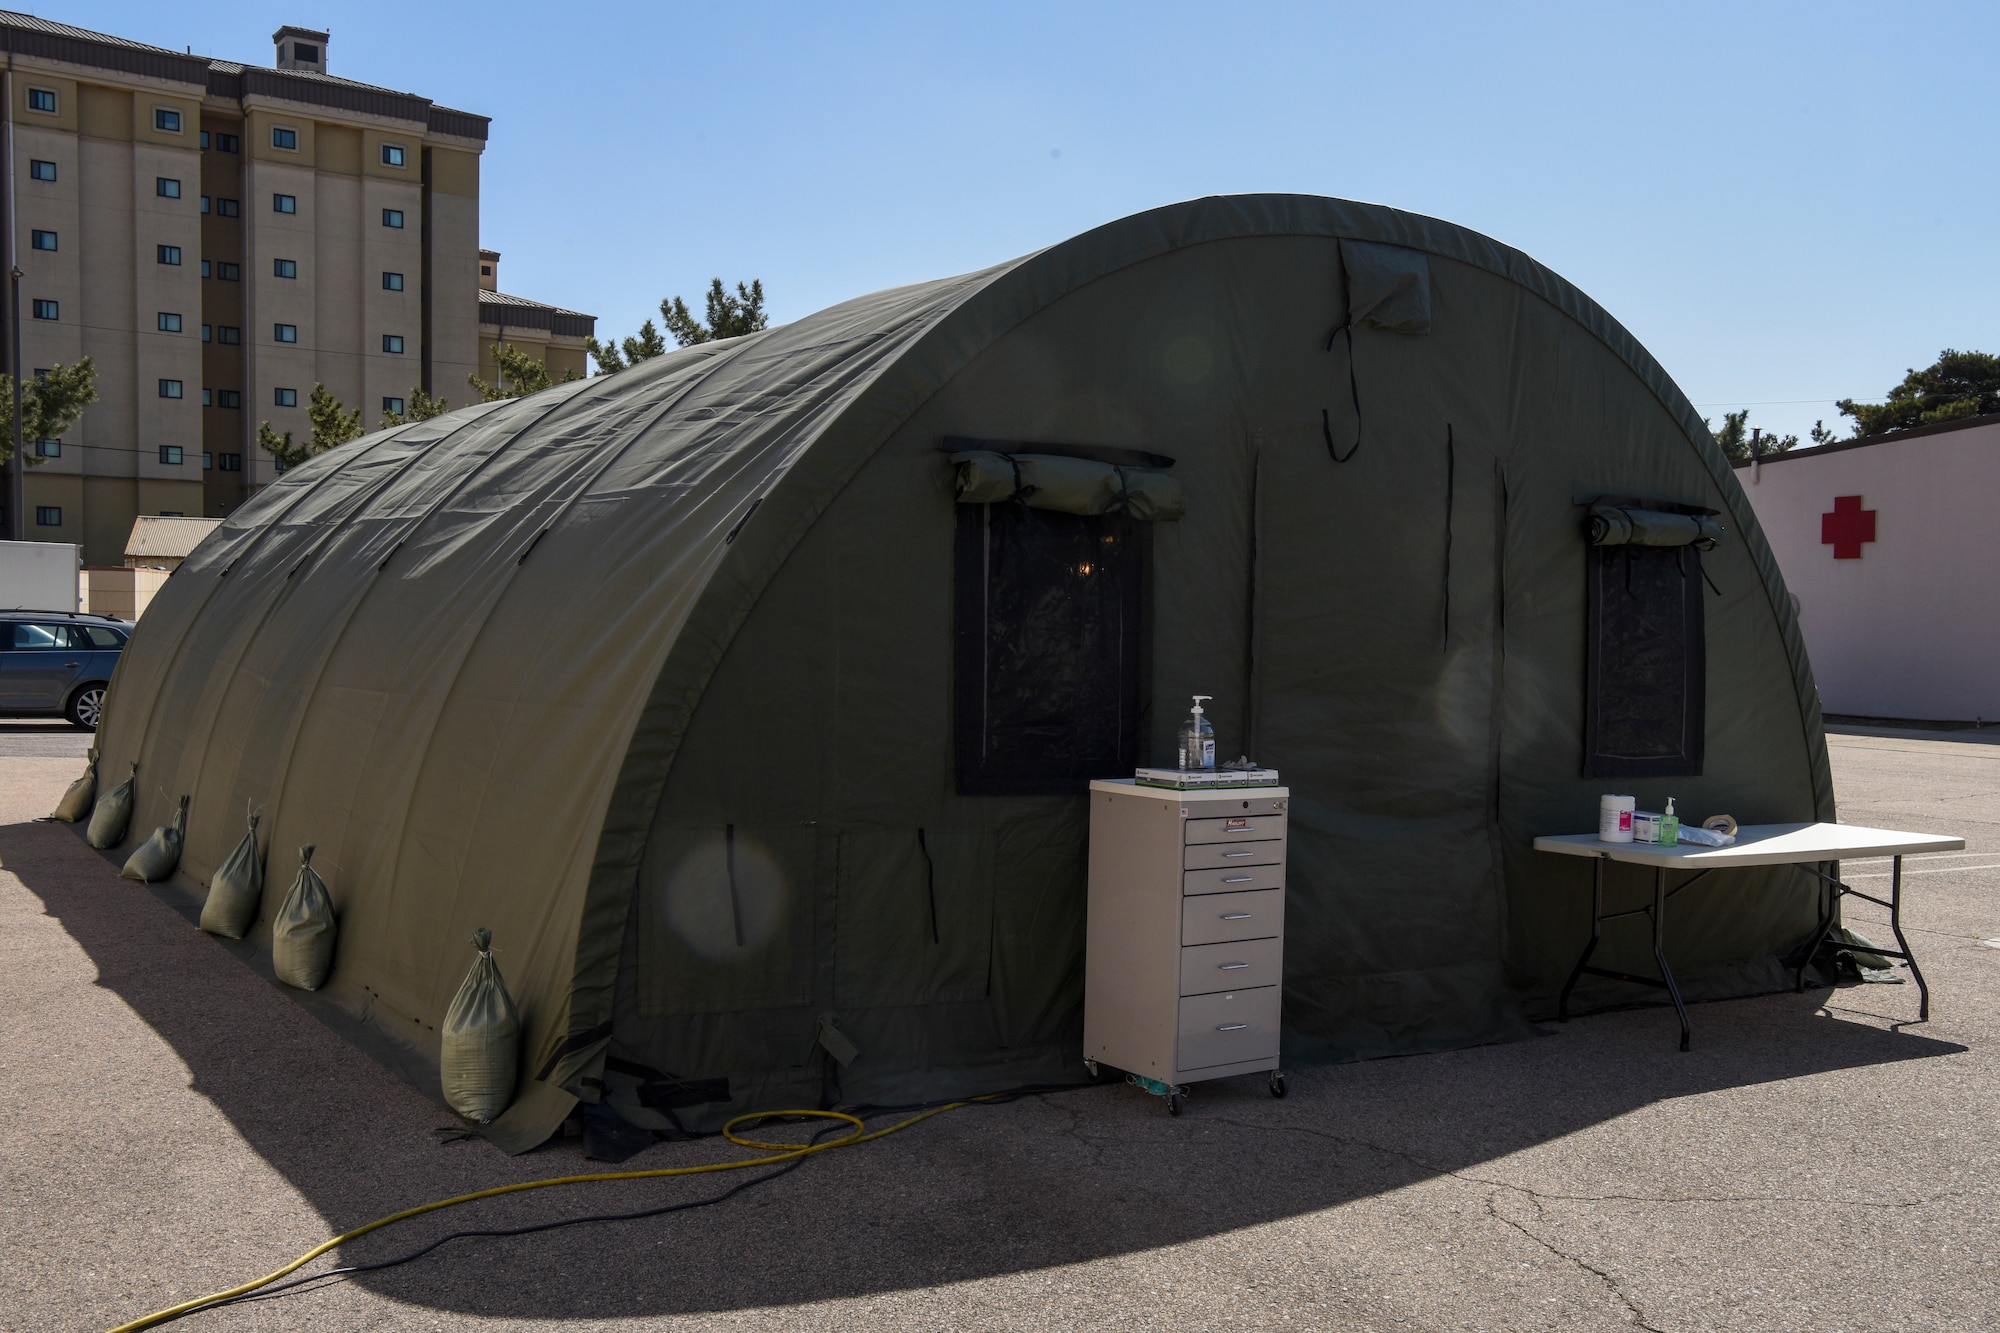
pixel 930 881
pixel 1450 480
pixel 1345 326
pixel 729 861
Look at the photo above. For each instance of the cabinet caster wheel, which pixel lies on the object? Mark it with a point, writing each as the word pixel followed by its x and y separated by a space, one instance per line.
pixel 1173 1103
pixel 1091 1065
pixel 1277 1084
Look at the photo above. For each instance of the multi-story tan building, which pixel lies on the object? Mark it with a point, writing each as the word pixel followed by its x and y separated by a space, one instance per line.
pixel 550 334
pixel 218 238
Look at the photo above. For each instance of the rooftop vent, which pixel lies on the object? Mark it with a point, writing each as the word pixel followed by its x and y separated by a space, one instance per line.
pixel 301 48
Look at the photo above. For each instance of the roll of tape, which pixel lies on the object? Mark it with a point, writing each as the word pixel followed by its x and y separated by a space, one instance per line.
pixel 1721 824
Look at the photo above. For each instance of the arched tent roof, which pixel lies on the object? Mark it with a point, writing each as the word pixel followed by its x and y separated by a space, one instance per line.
pixel 459 656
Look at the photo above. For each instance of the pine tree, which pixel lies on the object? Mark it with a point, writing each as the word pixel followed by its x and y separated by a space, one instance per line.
pixel 422 407
pixel 332 426
pixel 520 375
pixel 1955 386
pixel 51 403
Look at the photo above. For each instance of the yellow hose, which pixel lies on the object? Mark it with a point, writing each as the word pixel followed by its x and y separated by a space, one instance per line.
pixel 781 1152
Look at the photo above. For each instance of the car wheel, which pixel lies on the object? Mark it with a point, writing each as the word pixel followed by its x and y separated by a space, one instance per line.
pixel 86 706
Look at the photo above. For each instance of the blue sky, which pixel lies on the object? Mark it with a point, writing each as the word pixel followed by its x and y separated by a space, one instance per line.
pixel 1784 203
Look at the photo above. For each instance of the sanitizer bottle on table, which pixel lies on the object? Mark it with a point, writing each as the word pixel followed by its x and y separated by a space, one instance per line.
pixel 1197 749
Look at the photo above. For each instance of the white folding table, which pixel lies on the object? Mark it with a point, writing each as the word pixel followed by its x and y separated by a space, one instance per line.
pixel 1811 846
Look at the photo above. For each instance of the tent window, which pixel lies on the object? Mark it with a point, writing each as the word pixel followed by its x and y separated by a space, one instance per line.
pixel 1049 652
pixel 1647 668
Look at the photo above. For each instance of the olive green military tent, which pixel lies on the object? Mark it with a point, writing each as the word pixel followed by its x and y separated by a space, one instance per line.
pixel 748 695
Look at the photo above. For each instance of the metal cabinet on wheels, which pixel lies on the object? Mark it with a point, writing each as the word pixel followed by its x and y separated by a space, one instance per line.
pixel 1185 953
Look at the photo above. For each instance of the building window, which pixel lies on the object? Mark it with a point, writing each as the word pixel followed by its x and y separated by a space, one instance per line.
pixel 42 240
pixel 229 336
pixel 204 268
pixel 170 454
pixel 392 217
pixel 48 516
pixel 41 171
pixel 166 187
pixel 227 143
pixel 285 333
pixel 228 272
pixel 306 51
pixel 170 322
pixel 207 460
pixel 228 208
pixel 170 388
pixel 208 398
pixel 48 310
pixel 229 462
pixel 486 270
pixel 204 141
pixel 48 448
pixel 208 333
pixel 204 204
pixel 392 282
pixel 169 254
pixel 281 137
pixel 392 155
pixel 392 343
pixel 229 398
pixel 166 121
pixel 393 406
pixel 285 397
pixel 284 203
pixel 42 99
pixel 284 268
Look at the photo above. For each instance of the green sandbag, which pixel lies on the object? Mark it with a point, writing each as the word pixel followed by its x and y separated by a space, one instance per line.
pixel 482 1038
pixel 236 890
pixel 304 931
pixel 112 815
pixel 160 854
pixel 75 804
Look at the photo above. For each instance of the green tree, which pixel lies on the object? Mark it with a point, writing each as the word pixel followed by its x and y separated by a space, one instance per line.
pixel 612 357
pixel 51 403
pixel 422 407
pixel 1957 385
pixel 728 316
pixel 1736 440
pixel 332 426
pixel 520 375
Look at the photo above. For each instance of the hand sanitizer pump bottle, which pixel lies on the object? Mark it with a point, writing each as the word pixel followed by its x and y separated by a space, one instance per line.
pixel 1197 749
pixel 1670 826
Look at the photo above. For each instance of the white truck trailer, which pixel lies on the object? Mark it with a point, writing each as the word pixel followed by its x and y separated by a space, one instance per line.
pixel 40 576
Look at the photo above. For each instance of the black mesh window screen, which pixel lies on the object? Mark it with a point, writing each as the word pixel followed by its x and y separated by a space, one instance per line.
pixel 1050 648
pixel 1646 684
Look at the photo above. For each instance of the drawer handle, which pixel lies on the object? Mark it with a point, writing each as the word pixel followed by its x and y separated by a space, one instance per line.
pixel 1235 916
pixel 1231 967
pixel 1245 853
pixel 1239 879
pixel 1232 1027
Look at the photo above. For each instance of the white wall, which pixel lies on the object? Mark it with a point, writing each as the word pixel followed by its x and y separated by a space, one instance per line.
pixel 1911 629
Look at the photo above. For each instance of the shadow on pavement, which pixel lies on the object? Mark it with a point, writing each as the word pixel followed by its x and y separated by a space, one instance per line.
pixel 1045 1181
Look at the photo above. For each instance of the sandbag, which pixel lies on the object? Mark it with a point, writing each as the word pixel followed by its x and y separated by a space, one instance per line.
pixel 75 803
pixel 482 1039
pixel 304 931
pixel 236 890
pixel 159 855
pixel 112 815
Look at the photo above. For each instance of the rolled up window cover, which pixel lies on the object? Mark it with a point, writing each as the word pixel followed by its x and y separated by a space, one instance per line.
pixel 1618 525
pixel 1068 485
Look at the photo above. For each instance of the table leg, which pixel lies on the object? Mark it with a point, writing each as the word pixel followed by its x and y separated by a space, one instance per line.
pixel 1896 924
pixel 1660 949
pixel 1829 897
pixel 1596 915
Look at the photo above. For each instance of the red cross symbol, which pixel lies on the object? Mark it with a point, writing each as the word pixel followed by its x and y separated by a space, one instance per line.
pixel 1847 527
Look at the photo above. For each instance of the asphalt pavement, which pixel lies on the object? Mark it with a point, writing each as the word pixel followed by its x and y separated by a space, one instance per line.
pixel 174 1124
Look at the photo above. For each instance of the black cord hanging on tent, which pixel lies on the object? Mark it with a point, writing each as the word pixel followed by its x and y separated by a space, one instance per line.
pixel 729 864
pixel 1450 483
pixel 930 881
pixel 1345 326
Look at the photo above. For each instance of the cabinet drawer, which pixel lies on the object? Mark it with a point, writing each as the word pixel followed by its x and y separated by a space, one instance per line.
pixel 1214 855
pixel 1235 828
pixel 1233 879
pixel 1214 918
pixel 1206 968
pixel 1222 1029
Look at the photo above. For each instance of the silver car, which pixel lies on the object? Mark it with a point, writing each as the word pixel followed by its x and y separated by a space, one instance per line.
pixel 58 664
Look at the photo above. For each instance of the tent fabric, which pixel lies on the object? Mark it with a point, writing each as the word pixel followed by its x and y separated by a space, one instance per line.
pixel 1067 485
pixel 1612 525
pixel 651 673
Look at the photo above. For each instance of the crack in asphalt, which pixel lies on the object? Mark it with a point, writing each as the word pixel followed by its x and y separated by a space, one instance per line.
pixel 1638 1314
